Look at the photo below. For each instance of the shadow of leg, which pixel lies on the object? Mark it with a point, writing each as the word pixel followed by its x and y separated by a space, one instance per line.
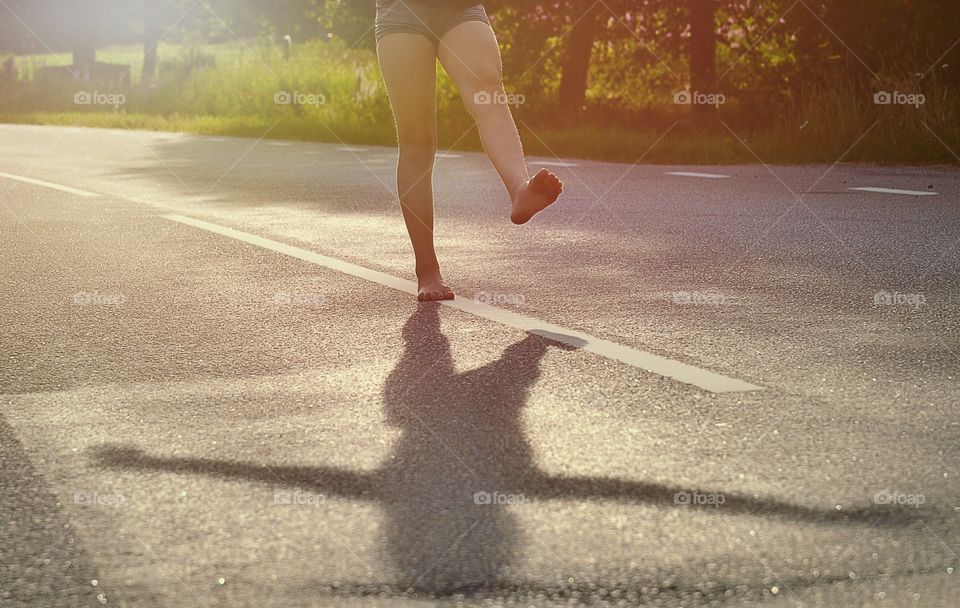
pixel 462 456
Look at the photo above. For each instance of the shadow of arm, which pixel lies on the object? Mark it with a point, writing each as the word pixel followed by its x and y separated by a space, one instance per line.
pixel 548 487
pixel 328 480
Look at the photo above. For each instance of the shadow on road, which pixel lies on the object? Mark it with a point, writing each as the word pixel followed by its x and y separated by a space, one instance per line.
pixel 461 468
pixel 249 173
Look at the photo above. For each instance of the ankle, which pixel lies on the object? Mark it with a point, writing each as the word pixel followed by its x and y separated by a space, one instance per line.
pixel 517 189
pixel 427 270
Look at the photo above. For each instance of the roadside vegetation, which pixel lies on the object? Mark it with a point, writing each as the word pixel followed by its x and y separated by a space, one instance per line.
pixel 608 86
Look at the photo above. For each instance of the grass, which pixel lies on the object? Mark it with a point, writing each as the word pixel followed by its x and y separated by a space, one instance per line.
pixel 230 90
pixel 224 54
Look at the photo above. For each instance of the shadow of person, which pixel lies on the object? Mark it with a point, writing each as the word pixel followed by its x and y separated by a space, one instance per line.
pixel 460 460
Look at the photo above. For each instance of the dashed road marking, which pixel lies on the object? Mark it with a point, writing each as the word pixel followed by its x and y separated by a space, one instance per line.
pixel 701 175
pixel 40 182
pixel 896 191
pixel 554 163
pixel 656 364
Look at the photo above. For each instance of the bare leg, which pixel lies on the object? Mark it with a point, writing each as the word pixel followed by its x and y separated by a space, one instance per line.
pixel 409 66
pixel 469 53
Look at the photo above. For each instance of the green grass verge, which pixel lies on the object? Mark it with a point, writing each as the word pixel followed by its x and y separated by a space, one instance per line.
pixel 679 145
pixel 231 89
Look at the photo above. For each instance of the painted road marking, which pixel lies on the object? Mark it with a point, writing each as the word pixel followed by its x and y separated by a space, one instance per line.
pixel 695 174
pixel 40 182
pixel 895 191
pixel 448 155
pixel 280 143
pixel 656 364
pixel 554 163
pixel 349 149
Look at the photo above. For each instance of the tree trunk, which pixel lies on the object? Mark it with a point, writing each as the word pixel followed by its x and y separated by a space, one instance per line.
pixel 84 41
pixel 151 40
pixel 84 56
pixel 576 61
pixel 703 52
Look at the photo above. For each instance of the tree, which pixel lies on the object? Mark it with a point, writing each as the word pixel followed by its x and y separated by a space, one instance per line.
pixel 151 39
pixel 703 50
pixel 578 50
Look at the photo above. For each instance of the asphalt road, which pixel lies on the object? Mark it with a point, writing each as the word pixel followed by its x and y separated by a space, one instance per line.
pixel 218 391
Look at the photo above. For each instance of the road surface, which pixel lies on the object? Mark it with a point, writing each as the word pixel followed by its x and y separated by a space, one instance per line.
pixel 680 386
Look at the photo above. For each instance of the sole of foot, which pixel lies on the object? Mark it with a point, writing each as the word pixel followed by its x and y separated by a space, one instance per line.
pixel 540 192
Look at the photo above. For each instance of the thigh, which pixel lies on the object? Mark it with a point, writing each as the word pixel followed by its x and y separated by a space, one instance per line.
pixel 470 55
pixel 400 16
pixel 408 63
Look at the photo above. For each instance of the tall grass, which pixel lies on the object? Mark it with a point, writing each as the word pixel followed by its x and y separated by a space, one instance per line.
pixel 338 97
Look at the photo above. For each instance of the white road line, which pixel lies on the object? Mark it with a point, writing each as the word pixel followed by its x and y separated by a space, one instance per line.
pixel 284 144
pixel 656 364
pixel 695 174
pixel 553 163
pixel 349 149
pixel 895 191
pixel 40 182
pixel 448 155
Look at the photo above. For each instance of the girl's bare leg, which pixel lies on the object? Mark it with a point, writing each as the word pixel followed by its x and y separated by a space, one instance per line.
pixel 409 66
pixel 470 55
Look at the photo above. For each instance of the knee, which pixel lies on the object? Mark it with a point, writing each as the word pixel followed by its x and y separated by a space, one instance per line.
pixel 417 141
pixel 486 81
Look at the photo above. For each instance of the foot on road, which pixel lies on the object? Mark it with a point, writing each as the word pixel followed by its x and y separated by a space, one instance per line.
pixel 432 287
pixel 535 196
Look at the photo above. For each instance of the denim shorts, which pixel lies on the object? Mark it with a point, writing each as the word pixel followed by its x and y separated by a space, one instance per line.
pixel 430 19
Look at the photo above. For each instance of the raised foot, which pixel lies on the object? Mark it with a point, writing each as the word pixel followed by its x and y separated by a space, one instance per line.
pixel 432 288
pixel 540 192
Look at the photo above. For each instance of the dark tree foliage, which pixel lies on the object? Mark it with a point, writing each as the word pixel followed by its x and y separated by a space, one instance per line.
pixel 750 49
